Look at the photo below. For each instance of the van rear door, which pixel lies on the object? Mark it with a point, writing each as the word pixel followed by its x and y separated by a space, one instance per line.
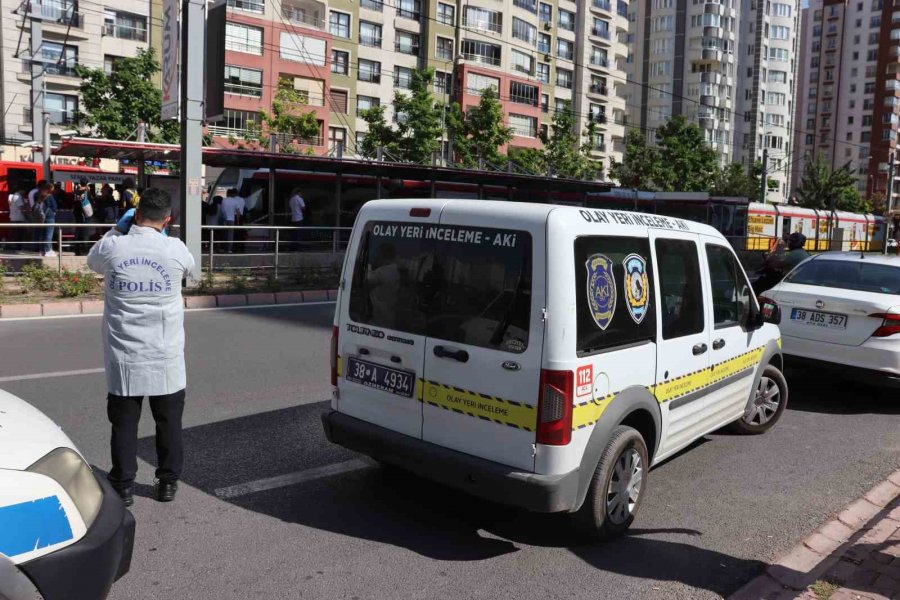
pixel 484 346
pixel 381 334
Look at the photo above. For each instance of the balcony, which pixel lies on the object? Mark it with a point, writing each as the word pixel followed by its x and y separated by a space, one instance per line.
pixel 600 61
pixel 405 48
pixel 892 86
pixel 622 9
pixel 600 89
pixel 125 32
pixel 61 15
pixel 599 118
pixel 566 54
pixel 368 77
pixel 373 41
pixel 601 33
pixel 711 54
pixel 712 78
pixel 305 15
pixel 493 61
pixel 57 117
pixel 603 5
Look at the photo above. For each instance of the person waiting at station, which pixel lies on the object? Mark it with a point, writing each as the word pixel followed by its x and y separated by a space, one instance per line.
pixel 232 213
pixel 19 212
pixel 298 213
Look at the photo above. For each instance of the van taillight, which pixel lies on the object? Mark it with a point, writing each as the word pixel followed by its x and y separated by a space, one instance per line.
pixel 890 325
pixel 334 355
pixel 554 420
pixel 420 212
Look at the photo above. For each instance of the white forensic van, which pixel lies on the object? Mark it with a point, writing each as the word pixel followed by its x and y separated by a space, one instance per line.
pixel 545 356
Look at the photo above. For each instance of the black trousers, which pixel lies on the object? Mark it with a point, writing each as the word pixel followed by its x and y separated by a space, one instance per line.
pixel 124 414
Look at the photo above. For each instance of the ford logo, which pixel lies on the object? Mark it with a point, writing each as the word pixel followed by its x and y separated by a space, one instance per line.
pixel 820 304
pixel 511 366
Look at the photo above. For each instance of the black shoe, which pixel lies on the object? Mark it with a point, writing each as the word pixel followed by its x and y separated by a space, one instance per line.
pixel 165 490
pixel 126 493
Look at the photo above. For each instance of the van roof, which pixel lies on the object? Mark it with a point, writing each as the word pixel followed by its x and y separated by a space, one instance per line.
pixel 539 213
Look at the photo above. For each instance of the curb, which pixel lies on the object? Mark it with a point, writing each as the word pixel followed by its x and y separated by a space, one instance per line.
pixel 822 551
pixel 95 307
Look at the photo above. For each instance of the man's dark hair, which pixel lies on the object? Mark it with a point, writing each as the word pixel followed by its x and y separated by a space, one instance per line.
pixel 45 186
pixel 156 205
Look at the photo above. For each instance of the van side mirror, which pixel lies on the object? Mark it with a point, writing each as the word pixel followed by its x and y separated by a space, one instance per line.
pixel 769 312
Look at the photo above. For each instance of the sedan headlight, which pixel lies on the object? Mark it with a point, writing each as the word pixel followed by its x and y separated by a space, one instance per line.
pixel 68 469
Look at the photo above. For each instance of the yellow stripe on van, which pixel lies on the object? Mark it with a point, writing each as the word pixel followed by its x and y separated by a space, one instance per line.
pixel 677 387
pixel 481 406
pixel 340 366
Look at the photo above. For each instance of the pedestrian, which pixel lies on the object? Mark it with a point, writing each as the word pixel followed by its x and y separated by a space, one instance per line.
pixel 44 211
pixel 130 196
pixel 109 210
pixel 231 214
pixel 795 252
pixel 19 212
pixel 143 339
pixel 298 208
pixel 82 212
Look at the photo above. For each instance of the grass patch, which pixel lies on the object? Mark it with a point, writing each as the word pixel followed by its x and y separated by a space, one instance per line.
pixel 823 589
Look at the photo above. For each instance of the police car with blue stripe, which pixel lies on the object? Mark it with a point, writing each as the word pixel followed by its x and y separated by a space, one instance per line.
pixel 545 356
pixel 64 532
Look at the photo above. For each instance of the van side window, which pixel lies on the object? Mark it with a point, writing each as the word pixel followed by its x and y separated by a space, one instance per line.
pixel 679 284
pixel 730 290
pixel 470 285
pixel 613 293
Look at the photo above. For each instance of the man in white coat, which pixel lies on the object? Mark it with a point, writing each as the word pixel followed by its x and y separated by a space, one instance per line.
pixel 143 339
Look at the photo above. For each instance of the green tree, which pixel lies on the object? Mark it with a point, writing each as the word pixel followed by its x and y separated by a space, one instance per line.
pixel 733 180
pixel 822 188
pixel 479 131
pixel 528 160
pixel 378 135
pixel 564 151
pixel 288 120
pixel 419 126
pixel 112 104
pixel 639 162
pixel 685 162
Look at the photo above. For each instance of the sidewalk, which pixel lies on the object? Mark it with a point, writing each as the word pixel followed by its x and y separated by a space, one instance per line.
pixel 855 556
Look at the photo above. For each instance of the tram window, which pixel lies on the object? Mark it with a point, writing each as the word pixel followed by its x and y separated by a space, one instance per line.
pixel 17 179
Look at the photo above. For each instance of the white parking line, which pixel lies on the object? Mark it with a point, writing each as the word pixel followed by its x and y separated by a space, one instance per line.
pixel 280 481
pixel 51 374
pixel 187 310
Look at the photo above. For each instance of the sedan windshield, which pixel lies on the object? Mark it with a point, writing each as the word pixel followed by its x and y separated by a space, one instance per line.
pixel 847 275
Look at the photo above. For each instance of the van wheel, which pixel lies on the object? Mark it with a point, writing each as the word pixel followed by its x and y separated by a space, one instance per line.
pixel 617 488
pixel 769 401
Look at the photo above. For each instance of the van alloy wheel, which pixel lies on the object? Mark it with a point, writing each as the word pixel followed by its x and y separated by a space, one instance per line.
pixel 624 486
pixel 765 404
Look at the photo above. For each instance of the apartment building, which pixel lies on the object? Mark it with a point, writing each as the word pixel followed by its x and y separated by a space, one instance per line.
pixel 353 55
pixel 93 33
pixel 764 121
pixel 850 96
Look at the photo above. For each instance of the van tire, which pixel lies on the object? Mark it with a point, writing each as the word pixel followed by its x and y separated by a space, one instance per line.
pixel 772 383
pixel 595 519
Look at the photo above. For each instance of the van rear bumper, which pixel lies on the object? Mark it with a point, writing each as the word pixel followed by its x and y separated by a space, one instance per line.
pixel 476 476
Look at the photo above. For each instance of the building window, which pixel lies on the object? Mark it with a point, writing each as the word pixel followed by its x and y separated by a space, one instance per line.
pixel 59 59
pixel 406 42
pixel 109 63
pixel 778 54
pixel 566 20
pixel 377 5
pixel 364 103
pixel 521 62
pixel 409 9
pixel 337 137
pixel 446 14
pixel 529 5
pixel 234 121
pixel 543 72
pixel 775 98
pixel 565 49
pixel 781 10
pixel 444 48
pixel 545 13
pixel 523 126
pixel 369 70
pixel 660 68
pixel 481 52
pixel 476 83
pixel 443 82
pixel 543 45
pixel 869 87
pixel 243 38
pixel 243 81
pixel 564 78
pixel 339 24
pixel 126 26
pixel 369 34
pixel 340 61
pixel 778 76
pixel 62 108
pixel 875 21
pixel 482 18
pixel 867 120
pixel 522 93
pixel 779 32
pixel 403 77
pixel 545 103
pixel 339 101
pixel 522 30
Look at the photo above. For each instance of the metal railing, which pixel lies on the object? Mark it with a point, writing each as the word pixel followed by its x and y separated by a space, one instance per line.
pixel 251 241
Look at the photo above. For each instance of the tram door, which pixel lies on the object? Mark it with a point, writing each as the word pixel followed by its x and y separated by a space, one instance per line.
pixel 785 227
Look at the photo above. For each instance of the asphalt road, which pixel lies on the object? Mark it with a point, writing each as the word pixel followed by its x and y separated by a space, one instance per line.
pixel 257 382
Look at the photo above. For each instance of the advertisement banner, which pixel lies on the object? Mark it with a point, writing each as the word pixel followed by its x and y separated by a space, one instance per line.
pixel 170 74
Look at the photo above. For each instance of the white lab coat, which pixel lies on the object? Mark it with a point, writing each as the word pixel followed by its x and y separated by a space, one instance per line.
pixel 143 317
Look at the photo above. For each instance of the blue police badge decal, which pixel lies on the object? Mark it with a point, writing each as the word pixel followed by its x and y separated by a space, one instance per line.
pixel 601 289
pixel 637 294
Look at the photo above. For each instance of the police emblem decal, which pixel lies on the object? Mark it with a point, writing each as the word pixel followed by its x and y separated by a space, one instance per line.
pixel 601 289
pixel 637 294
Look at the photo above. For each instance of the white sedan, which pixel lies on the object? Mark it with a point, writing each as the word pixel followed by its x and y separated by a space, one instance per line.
pixel 843 308
pixel 64 532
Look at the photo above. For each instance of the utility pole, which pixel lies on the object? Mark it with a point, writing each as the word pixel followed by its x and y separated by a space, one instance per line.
pixel 34 13
pixel 764 178
pixel 192 82
pixel 141 167
pixel 890 201
pixel 45 143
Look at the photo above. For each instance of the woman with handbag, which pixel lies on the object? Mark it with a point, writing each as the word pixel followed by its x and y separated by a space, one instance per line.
pixel 83 212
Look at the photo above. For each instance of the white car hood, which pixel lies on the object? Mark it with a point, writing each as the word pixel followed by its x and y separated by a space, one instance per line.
pixel 26 434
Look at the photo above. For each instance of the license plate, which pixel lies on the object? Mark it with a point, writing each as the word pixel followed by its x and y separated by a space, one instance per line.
pixel 380 377
pixel 819 319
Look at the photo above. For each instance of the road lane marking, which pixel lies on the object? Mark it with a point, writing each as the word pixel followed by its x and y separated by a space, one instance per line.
pixel 187 310
pixel 272 483
pixel 51 375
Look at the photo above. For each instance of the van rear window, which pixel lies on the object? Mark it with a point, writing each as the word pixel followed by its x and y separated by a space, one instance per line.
pixel 470 285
